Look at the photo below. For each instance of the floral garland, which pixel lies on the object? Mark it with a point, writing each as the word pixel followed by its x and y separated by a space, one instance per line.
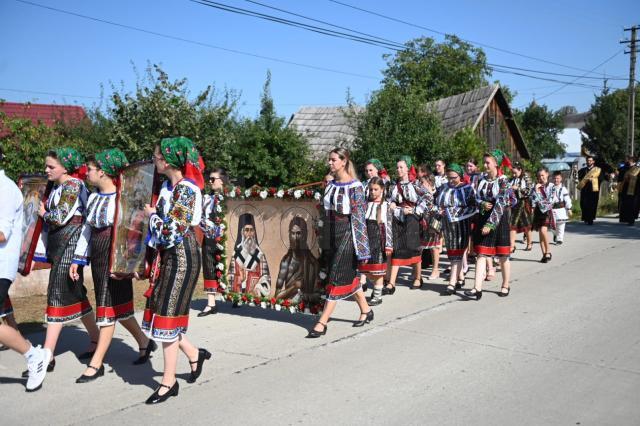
pixel 262 193
pixel 221 240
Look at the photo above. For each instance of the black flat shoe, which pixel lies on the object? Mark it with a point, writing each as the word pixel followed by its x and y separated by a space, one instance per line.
pixel 544 259
pixel 388 291
pixel 416 287
pixel 459 284
pixel 155 398
pixel 450 291
pixel 375 301
pixel 548 257
pixel 212 310
pixel 88 354
pixel 473 293
pixel 314 333
pixel 367 319
pixel 504 291
pixel 203 355
pixel 87 379
pixel 151 346
pixel 50 367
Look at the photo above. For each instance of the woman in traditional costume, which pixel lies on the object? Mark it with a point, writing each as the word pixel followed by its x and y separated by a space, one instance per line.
pixel 345 240
pixel 430 224
pixel 171 222
pixel 213 228
pixel 379 230
pixel 491 235
pixel 456 201
pixel 114 295
pixel 521 212
pixel 405 202
pixel 542 202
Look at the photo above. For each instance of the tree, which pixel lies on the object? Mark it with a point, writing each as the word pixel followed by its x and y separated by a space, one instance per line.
pixel 267 152
pixel 433 70
pixel 540 127
pixel 605 131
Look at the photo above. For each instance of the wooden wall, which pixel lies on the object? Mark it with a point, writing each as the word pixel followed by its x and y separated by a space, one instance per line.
pixel 493 128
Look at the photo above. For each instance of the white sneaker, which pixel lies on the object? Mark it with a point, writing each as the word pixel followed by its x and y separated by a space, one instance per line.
pixel 37 367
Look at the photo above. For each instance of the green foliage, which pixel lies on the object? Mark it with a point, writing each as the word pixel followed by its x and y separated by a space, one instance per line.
pixel 540 127
pixel 431 70
pixel 464 145
pixel 266 151
pixel 606 127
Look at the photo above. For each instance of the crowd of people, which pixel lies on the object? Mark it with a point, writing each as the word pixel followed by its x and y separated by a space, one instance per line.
pixel 372 229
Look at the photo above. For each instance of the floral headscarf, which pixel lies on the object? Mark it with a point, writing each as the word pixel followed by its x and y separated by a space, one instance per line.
pixel 501 159
pixel 111 161
pixel 181 153
pixel 70 159
pixel 457 168
pixel 412 170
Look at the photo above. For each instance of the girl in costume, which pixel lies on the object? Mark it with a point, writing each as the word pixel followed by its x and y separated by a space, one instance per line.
pixel 542 202
pixel 171 222
pixel 457 202
pixel 521 212
pixel 561 207
pixel 379 230
pixel 63 217
pixel 405 202
pixel 491 234
pixel 213 229
pixel 430 235
pixel 345 240
pixel 114 295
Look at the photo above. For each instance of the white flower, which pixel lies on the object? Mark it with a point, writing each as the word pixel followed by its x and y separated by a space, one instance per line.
pixel 223 226
pixel 232 193
pixel 278 307
pixel 220 197
pixel 252 304
pixel 219 246
pixel 297 194
pixel 220 266
pixel 292 309
pixel 219 209
pixel 317 196
pixel 307 310
pixel 247 193
pixel 322 275
pixel 280 193
pixel 263 194
pixel 222 285
pixel 320 223
pixel 263 305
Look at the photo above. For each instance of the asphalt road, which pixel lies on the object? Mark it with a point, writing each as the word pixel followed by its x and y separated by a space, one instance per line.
pixel 563 348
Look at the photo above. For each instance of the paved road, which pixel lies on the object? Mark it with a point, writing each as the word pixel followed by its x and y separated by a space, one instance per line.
pixel 564 348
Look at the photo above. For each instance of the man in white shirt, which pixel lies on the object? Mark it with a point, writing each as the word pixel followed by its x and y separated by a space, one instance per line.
pixel 11 212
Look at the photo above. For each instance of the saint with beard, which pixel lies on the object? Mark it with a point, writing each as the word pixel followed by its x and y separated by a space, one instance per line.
pixel 298 272
pixel 249 271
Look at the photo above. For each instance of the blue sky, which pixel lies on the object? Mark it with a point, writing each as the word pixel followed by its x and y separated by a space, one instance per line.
pixel 48 51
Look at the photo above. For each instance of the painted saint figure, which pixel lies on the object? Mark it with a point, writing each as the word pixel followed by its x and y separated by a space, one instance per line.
pixel 248 269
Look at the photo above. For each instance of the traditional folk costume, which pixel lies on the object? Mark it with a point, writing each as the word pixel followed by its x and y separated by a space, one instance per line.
pixel 497 218
pixel 379 219
pixel 521 213
pixel 542 201
pixel 382 174
pixel 345 238
pixel 440 180
pixel 561 207
pixel 212 250
pixel 114 297
pixel 11 217
pixel 589 186
pixel 178 210
pixel 66 299
pixel 459 206
pixel 430 222
pixel 629 194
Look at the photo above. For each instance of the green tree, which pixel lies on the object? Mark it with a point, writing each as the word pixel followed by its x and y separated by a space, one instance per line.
pixel 606 128
pixel 432 70
pixel 540 127
pixel 267 152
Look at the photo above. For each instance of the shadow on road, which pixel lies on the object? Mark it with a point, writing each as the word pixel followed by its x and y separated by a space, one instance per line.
pixel 607 228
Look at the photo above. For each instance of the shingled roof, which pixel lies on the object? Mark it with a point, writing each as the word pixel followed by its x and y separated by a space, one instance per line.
pixel 324 127
pixel 47 114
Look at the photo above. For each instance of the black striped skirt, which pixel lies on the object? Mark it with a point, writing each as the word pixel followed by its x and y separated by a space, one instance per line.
pixel 66 299
pixel 456 237
pixel 498 241
pixel 407 249
pixel 543 219
pixel 377 265
pixel 114 298
pixel 429 239
pixel 342 260
pixel 166 315
pixel 211 256
pixel 521 216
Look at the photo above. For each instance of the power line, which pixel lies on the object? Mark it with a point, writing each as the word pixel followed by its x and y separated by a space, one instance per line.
pixel 65 95
pixel 211 46
pixel 511 52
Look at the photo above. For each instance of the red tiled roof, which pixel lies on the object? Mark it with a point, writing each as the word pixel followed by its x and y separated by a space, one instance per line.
pixel 45 113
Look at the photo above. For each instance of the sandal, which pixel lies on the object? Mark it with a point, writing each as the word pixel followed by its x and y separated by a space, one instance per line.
pixel 414 286
pixel 451 290
pixel 529 247
pixel 504 291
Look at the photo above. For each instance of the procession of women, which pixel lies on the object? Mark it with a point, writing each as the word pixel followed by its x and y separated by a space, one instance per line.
pixel 351 248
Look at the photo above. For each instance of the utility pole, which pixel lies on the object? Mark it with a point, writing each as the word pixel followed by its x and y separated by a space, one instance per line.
pixel 632 85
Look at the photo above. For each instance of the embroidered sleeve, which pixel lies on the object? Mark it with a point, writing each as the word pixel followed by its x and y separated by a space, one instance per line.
pixel 502 202
pixel 566 198
pixel 358 223
pixel 83 249
pixel 544 203
pixel 210 212
pixel 388 230
pixel 169 230
pixel 61 213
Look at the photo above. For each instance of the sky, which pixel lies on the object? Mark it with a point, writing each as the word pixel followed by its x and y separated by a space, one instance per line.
pixel 54 57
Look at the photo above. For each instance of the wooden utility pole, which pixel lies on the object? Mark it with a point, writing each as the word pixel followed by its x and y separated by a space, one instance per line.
pixel 632 85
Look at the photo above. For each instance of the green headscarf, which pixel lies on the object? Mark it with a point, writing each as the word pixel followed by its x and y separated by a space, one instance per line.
pixel 111 161
pixel 179 151
pixel 457 168
pixel 70 159
pixel 376 163
pixel 498 155
pixel 406 159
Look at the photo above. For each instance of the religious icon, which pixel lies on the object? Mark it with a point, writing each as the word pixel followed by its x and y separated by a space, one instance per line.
pixel 249 270
pixel 33 189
